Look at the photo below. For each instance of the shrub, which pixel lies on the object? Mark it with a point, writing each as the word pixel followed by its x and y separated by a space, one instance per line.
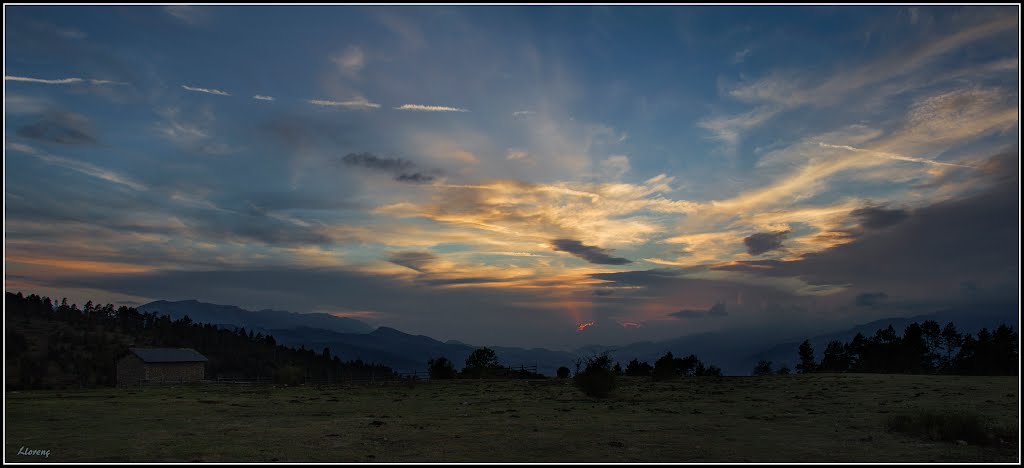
pixel 946 426
pixel 441 368
pixel 763 368
pixel 290 375
pixel 563 372
pixel 597 379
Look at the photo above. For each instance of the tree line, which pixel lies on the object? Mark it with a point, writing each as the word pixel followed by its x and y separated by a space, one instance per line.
pixel 52 345
pixel 925 348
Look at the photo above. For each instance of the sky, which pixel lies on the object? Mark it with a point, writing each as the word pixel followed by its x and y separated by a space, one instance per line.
pixel 533 176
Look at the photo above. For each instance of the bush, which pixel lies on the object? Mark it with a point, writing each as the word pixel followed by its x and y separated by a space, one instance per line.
pixel 946 426
pixel 563 372
pixel 441 368
pixel 597 379
pixel 290 375
pixel 763 368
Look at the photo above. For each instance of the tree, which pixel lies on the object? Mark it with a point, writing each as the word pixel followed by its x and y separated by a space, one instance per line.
pixel 836 358
pixel 480 361
pixel 782 371
pixel 617 369
pixel 635 368
pixel 597 379
pixel 563 372
pixel 806 358
pixel 951 341
pixel 763 368
pixel 441 368
pixel 664 367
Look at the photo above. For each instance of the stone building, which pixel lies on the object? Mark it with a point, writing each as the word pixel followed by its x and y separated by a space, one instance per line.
pixel 160 365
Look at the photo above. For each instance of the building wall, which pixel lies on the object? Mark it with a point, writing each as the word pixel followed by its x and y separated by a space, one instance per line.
pixel 175 371
pixel 130 370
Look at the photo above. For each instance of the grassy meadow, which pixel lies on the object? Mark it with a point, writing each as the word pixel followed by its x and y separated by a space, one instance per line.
pixel 798 418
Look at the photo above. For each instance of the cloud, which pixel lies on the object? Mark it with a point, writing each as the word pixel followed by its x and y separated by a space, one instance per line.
pixel 205 90
pixel 351 61
pixel 717 310
pixel 614 167
pixel 401 168
pixel 893 156
pixel 781 91
pixel 260 97
pixel 192 134
pixel 762 242
pixel 422 108
pixel 873 217
pixel 60 127
pixel 416 178
pixel 522 113
pixel 870 299
pixel 188 14
pixel 740 56
pixel 589 253
pixel 61 81
pixel 934 249
pixel 359 103
pixel 79 166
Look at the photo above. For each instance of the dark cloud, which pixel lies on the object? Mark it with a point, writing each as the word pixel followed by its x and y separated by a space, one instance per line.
pixel 604 292
pixel 415 260
pixel 870 299
pixel 717 310
pixel 927 255
pixel 370 161
pixel 589 253
pixel 401 168
pixel 60 127
pixel 416 178
pixel 762 242
pixel 872 217
pixel 688 313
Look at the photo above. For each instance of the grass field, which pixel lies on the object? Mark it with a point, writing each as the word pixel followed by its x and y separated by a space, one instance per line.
pixel 805 418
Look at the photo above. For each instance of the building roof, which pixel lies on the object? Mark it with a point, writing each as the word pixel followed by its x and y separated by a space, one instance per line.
pixel 168 354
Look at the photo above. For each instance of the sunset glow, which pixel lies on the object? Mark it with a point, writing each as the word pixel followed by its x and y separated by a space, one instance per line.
pixel 500 175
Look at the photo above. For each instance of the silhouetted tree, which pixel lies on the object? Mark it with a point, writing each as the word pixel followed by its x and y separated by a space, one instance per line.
pixel 597 379
pixel 563 372
pixel 782 371
pixel 665 367
pixel 441 368
pixel 763 368
pixel 480 361
pixel 836 358
pixel 806 358
pixel 635 368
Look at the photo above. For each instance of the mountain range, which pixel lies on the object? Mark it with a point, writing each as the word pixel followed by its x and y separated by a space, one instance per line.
pixel 735 352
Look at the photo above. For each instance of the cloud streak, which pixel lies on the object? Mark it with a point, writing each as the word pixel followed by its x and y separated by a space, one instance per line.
pixel 423 108
pixel 351 104
pixel 61 81
pixel 205 90
pixel 589 253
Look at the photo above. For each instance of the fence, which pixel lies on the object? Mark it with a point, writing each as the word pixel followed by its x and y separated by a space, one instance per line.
pixel 508 372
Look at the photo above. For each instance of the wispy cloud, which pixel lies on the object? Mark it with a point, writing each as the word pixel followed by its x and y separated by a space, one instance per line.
pixel 79 166
pixel 351 61
pixel 351 104
pixel 423 108
pixel 893 156
pixel 260 97
pixel 189 14
pixel 522 113
pixel 60 81
pixel 206 90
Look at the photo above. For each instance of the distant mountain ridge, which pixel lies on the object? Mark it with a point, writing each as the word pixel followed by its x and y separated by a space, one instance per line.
pixel 735 352
pixel 265 319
